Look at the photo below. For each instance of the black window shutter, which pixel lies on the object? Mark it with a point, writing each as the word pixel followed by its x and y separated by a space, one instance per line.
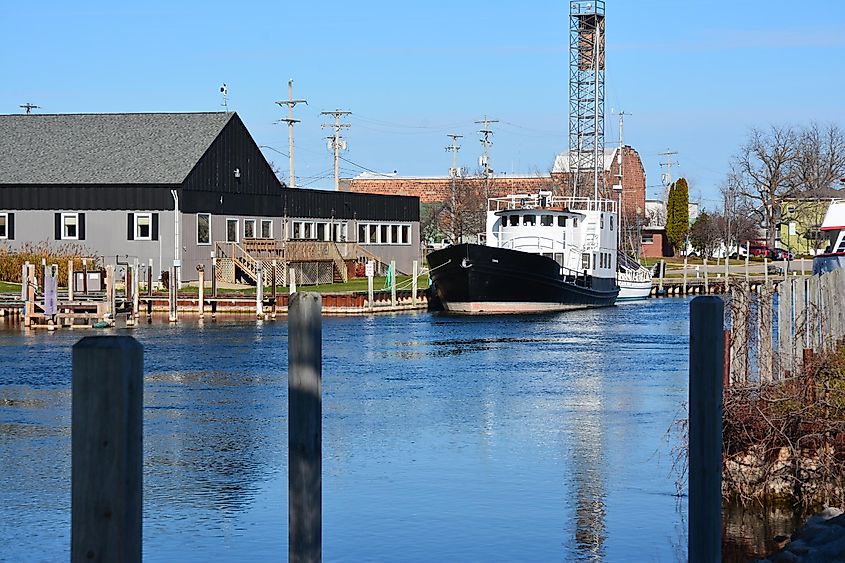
pixel 155 226
pixel 10 226
pixel 130 226
pixel 82 226
pixel 58 226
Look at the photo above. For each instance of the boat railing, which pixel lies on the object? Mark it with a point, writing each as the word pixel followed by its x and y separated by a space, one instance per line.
pixel 546 201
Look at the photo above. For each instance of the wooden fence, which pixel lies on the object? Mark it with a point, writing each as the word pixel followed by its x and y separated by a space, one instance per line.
pixel 774 332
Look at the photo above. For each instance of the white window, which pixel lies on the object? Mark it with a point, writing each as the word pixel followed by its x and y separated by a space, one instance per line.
pixel 297 229
pixel 143 226
pixel 203 228
pixel 232 234
pixel 70 226
pixel 406 234
pixel 266 228
pixel 309 230
pixel 249 228
pixel 4 225
pixel 385 234
pixel 362 233
pixel 792 228
pixel 373 234
pixel 321 231
pixel 394 234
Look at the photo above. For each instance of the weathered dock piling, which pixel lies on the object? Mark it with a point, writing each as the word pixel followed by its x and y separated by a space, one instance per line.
pixel 705 428
pixel 107 450
pixel 305 432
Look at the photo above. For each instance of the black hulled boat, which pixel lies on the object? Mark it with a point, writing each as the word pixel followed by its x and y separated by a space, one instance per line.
pixel 541 253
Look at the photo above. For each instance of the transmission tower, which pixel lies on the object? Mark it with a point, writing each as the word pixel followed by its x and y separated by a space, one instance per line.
pixel 291 103
pixel 336 142
pixel 586 93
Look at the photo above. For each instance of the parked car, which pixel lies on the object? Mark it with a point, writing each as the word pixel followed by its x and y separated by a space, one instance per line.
pixel 781 254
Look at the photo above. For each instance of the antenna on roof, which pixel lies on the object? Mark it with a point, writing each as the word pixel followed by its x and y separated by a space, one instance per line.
pixel 225 91
pixel 29 107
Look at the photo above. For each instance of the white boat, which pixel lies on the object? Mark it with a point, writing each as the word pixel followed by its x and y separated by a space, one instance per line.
pixel 634 279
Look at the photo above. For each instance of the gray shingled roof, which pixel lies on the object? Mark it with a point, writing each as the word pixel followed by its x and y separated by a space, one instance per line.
pixel 98 148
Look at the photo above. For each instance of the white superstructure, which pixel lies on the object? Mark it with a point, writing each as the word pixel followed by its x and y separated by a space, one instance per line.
pixel 580 234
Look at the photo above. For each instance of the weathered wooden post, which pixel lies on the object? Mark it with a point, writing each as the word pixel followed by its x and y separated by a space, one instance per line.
pixel 136 289
pixel 70 281
pixel 107 449
pixel 747 257
pixel 705 428
pixel 201 296
pixel 414 286
pixel 370 271
pixel 662 272
pixel 214 275
pixel 305 433
pixel 30 286
pixel 273 281
pixel 172 296
pixel 685 271
pixel 393 283
pixel 291 283
pixel 259 290
pixel 85 276
pixel 706 284
pixel 150 278
pixel 765 357
pixel 110 293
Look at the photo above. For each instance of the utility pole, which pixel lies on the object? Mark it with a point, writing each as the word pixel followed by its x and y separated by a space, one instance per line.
pixel 486 132
pixel 621 187
pixel 667 178
pixel 453 173
pixel 290 103
pixel 336 141
pixel 485 159
pixel 29 107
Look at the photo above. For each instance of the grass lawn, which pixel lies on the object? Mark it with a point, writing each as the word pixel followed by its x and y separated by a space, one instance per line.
pixel 8 287
pixel 355 284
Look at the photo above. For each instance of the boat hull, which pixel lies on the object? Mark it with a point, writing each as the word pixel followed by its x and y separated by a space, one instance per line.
pixel 476 279
pixel 633 290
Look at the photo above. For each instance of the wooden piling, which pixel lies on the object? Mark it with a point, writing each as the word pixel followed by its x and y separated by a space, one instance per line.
pixel 706 284
pixel 214 275
pixel 393 283
pixel 292 282
pixel 765 356
pixel 150 278
pixel 685 272
pixel 259 290
pixel 273 282
pixel 70 280
pixel 172 296
pixel 740 297
pixel 107 449
pixel 414 288
pixel 110 297
pixel 662 271
pixel 705 429
pixel 305 428
pixel 201 296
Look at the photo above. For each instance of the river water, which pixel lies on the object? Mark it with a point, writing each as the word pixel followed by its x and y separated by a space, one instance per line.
pixel 444 438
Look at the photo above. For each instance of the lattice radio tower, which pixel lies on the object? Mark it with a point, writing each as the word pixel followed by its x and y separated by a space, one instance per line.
pixel 586 95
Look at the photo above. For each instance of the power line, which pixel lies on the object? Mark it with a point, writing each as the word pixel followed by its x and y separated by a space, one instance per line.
pixel 667 178
pixel 336 141
pixel 29 107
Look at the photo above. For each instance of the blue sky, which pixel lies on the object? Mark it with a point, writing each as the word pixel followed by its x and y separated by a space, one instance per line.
pixel 694 76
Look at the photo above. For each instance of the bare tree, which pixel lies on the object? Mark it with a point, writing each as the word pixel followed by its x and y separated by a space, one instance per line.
pixel 821 159
pixel 464 213
pixel 764 172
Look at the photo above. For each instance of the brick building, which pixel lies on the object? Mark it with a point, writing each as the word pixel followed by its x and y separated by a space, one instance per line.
pixel 438 189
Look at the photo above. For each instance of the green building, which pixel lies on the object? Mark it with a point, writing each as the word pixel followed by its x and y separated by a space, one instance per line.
pixel 800 223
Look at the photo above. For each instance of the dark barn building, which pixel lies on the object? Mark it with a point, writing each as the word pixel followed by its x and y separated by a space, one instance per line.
pixel 178 186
